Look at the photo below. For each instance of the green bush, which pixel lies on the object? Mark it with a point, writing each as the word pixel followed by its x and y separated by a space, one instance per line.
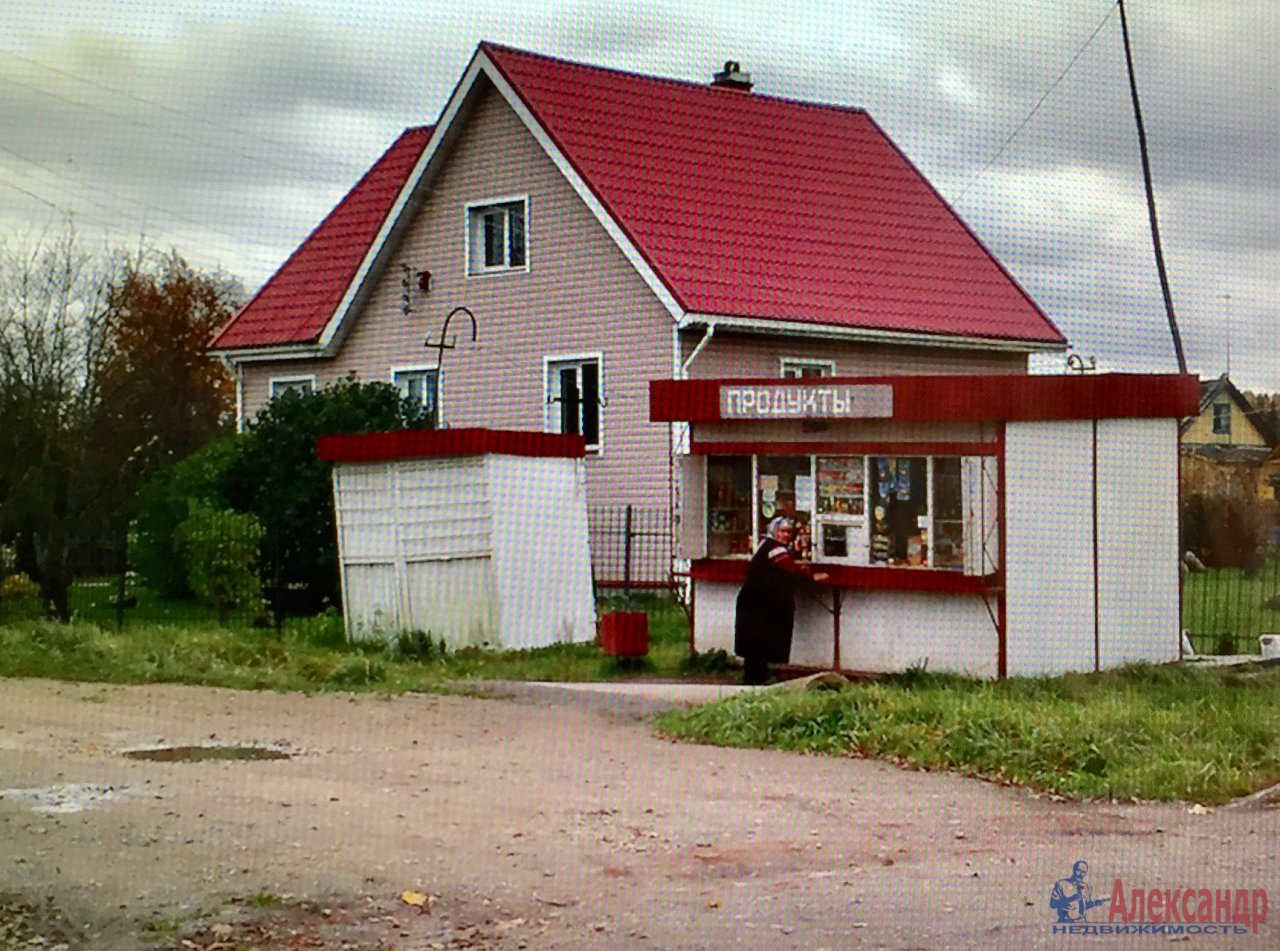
pixel 18 587
pixel 165 502
pixel 220 548
pixel 275 475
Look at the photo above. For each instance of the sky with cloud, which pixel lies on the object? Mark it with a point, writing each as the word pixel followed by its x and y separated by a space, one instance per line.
pixel 228 128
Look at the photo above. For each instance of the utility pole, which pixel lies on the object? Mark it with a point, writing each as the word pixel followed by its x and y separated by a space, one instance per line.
pixel 1227 298
pixel 1151 198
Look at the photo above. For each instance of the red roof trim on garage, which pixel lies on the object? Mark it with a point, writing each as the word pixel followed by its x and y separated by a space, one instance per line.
pixel 434 443
pixel 957 398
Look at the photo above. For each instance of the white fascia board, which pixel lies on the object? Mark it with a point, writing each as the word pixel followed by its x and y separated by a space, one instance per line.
pixel 303 351
pixel 798 328
pixel 607 221
pixel 330 337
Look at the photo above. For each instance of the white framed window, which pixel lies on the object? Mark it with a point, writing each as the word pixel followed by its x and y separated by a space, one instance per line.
pixel 574 388
pixel 303 385
pixel 794 368
pixel 498 236
pixel 422 386
pixel 1222 419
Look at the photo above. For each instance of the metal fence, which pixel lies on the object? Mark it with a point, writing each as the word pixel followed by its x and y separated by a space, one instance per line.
pixel 1226 610
pixel 129 583
pixel 631 547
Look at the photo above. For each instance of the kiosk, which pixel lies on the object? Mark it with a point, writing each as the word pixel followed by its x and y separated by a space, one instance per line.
pixel 990 525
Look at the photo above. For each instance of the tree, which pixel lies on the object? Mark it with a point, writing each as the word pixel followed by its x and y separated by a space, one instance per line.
pixel 100 382
pixel 165 502
pixel 57 479
pixel 275 475
pixel 160 390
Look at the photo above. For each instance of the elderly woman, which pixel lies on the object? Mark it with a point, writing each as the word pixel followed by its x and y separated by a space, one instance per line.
pixel 766 605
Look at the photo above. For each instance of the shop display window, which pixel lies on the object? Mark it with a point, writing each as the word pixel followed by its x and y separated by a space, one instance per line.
pixel 728 506
pixel 896 511
pixel 841 533
pixel 899 510
pixel 785 487
pixel 948 514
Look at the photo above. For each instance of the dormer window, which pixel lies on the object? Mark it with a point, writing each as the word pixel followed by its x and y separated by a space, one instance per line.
pixel 497 236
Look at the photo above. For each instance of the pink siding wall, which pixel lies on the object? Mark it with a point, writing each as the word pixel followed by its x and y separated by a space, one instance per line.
pixel 740 355
pixel 579 296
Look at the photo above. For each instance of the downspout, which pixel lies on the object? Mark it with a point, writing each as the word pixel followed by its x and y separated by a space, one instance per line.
pixel 706 339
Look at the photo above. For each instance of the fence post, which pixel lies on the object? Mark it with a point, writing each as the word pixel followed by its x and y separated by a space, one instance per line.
pixel 120 585
pixel 626 557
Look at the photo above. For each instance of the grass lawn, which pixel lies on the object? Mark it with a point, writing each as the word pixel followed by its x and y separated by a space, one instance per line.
pixel 1165 733
pixel 1223 607
pixel 310 655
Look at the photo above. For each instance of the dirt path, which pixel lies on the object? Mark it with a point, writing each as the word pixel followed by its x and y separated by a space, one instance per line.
pixel 530 824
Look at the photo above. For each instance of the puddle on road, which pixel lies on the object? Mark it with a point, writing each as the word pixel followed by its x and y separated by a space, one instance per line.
pixel 200 754
pixel 68 797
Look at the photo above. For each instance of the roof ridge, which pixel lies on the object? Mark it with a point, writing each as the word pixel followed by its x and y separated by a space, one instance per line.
pixel 672 81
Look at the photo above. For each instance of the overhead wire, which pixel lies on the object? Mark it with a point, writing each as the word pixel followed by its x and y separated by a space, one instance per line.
pixel 1039 102
pixel 76 184
pixel 221 127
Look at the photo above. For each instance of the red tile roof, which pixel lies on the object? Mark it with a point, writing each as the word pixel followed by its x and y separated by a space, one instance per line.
pixel 295 305
pixel 743 205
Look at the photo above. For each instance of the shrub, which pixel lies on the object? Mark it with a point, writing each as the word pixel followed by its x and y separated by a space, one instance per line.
pixel 275 475
pixel 18 587
pixel 165 502
pixel 1225 528
pixel 220 548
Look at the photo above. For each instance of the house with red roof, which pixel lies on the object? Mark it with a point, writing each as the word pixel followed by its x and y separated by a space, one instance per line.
pixel 606 229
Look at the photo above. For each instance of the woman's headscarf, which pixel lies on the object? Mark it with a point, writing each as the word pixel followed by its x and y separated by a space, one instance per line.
pixel 777 525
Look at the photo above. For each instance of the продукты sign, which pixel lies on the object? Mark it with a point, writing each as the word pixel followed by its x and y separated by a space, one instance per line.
pixel 830 401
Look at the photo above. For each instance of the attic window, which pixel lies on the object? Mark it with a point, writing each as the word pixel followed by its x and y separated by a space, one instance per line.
pixel 497 236
pixel 1222 419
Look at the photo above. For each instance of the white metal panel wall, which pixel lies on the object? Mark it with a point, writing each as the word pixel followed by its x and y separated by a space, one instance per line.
pixel 541 552
pixel 371 600
pixel 693 512
pixel 1138 540
pixel 879 630
pixel 1049 546
pixel 443 508
pixel 454 600
pixel 365 505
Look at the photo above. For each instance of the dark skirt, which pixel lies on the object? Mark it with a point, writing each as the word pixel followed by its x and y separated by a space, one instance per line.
pixel 762 625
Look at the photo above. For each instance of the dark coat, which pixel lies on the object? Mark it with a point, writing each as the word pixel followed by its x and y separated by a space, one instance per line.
pixel 766 606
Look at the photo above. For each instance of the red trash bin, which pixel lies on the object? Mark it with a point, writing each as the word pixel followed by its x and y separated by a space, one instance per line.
pixel 624 633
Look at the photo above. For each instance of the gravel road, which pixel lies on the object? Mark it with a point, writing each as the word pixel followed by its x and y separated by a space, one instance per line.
pixel 524 822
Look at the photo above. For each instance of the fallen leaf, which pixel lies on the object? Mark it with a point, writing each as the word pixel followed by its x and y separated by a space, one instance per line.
pixel 416 899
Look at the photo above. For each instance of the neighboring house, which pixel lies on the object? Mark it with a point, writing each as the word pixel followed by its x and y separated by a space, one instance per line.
pixel 1226 446
pixel 607 229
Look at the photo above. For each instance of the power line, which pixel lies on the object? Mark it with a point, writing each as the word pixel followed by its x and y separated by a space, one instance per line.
pixel 154 127
pixel 220 127
pixel 112 226
pixel 132 201
pixel 1039 102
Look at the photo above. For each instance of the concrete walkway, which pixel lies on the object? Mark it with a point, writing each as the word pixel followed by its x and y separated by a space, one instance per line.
pixel 633 698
